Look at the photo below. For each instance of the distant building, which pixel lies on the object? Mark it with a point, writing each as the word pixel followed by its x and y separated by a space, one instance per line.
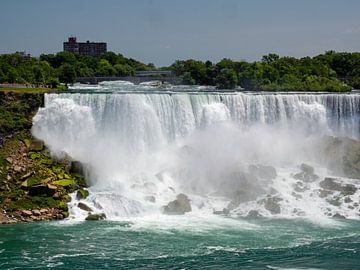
pixel 85 48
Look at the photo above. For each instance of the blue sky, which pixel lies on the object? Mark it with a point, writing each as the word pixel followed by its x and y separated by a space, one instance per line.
pixel 161 31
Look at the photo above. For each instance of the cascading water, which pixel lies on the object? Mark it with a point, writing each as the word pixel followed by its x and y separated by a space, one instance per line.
pixel 142 149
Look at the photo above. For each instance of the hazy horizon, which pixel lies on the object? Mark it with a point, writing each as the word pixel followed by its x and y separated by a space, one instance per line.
pixel 160 31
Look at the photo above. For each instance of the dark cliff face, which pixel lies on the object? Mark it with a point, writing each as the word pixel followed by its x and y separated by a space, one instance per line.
pixel 33 185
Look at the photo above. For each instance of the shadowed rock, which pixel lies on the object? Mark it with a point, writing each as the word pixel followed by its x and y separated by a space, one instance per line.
pixel 94 217
pixel 179 206
pixel 84 207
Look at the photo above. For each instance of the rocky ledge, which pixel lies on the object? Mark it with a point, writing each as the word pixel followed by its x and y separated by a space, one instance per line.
pixel 33 185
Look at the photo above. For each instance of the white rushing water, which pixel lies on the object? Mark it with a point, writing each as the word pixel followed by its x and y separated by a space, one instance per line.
pixel 142 149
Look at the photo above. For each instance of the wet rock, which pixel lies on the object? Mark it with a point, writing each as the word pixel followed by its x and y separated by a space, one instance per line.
pixel 339 216
pixel 179 206
pixel 334 202
pixel 36 145
pixel 263 172
pixel 225 211
pixel 82 194
pixel 332 184
pixel 254 214
pixel 272 205
pixel 347 200
pixel 42 189
pixel 84 207
pixel 307 174
pixel 93 217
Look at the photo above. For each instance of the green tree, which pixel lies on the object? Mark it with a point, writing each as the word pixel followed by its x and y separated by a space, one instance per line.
pixel 67 73
pixel 227 79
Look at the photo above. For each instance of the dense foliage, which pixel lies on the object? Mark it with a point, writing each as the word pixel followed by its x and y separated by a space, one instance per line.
pixel 325 72
pixel 50 69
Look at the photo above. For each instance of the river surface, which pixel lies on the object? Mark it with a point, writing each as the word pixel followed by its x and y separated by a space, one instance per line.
pixel 182 243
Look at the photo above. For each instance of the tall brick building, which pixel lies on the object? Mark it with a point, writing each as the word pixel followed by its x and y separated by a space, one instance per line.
pixel 85 48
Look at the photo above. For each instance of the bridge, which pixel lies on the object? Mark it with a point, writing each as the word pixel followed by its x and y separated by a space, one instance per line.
pixel 139 77
pixel 133 79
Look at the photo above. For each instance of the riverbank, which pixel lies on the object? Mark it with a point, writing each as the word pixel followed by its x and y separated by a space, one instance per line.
pixel 33 185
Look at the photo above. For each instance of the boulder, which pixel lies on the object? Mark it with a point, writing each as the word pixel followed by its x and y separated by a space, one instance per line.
pixel 26 213
pixel 36 145
pixel 179 206
pixel 272 205
pixel 307 174
pixel 84 207
pixel 42 189
pixel 253 214
pixel 82 194
pixel 36 212
pixel 263 172
pixel 339 216
pixel 93 217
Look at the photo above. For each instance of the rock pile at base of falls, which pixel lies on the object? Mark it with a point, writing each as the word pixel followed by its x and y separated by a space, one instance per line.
pixel 307 174
pixel 342 155
pixel 241 187
pixel 180 206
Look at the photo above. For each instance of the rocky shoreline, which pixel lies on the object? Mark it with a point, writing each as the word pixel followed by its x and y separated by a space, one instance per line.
pixel 33 185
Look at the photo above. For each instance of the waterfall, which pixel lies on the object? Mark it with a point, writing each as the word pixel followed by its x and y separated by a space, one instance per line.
pixel 138 145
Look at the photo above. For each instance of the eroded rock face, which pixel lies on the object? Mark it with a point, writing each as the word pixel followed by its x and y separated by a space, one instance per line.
pixel 180 206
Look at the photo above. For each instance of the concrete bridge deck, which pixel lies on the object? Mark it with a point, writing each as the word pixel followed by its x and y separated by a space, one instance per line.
pixel 133 79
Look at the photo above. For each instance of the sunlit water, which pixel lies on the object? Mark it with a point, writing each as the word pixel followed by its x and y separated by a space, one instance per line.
pixel 141 141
